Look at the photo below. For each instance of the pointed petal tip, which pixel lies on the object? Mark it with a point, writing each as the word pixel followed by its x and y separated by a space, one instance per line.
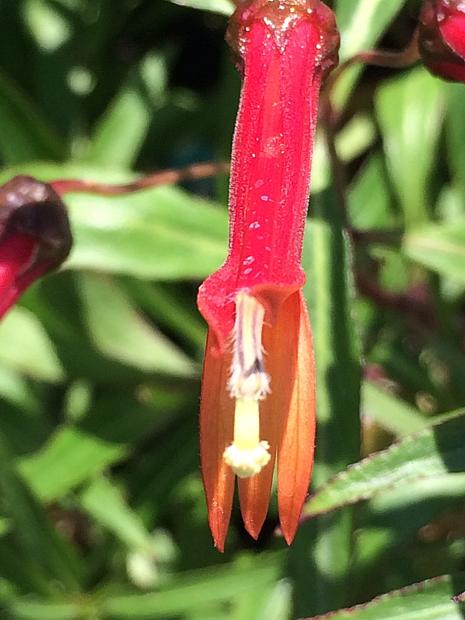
pixel 253 529
pixel 219 528
pixel 219 544
pixel 288 531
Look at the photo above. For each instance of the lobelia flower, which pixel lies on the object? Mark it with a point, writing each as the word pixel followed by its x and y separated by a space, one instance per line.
pixel 442 38
pixel 258 387
pixel 34 235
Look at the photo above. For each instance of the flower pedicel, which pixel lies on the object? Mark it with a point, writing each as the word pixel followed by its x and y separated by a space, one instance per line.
pixel 258 388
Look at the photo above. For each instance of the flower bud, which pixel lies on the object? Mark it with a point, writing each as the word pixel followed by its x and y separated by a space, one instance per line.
pixel 442 38
pixel 34 235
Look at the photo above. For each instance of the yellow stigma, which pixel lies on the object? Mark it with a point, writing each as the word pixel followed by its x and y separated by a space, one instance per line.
pixel 248 384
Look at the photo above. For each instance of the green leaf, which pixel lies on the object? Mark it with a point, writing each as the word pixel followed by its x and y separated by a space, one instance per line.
pixel 369 202
pixel 74 454
pixel 361 23
pixel 224 7
pixel 431 453
pixel 455 133
pixel 330 294
pixel 329 291
pixel 163 233
pixel 36 538
pixel 217 585
pixel 25 135
pixel 428 600
pixel 440 248
pixel 26 347
pixel 38 610
pixel 105 505
pixel 121 333
pixel 391 412
pixel 123 127
pixel 158 234
pixel 411 126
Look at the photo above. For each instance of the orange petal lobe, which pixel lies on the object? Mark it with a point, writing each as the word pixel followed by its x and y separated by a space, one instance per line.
pixel 295 382
pixel 216 433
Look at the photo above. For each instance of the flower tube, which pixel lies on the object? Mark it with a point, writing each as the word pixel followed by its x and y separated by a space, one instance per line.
pixel 258 387
pixel 34 236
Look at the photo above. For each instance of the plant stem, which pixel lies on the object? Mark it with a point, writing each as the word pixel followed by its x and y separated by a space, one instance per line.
pixel 164 177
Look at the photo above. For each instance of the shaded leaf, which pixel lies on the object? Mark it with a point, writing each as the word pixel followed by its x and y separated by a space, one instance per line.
pixel 25 135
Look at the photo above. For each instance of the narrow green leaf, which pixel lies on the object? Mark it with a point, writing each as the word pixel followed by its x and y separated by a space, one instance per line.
pixel 428 600
pixel 200 589
pixel 432 452
pixel 158 234
pixel 105 505
pixel 70 458
pixel 38 610
pixel 25 135
pixel 440 248
pixel 361 23
pixel 326 546
pixel 26 347
pixel 123 127
pixel 369 202
pixel 391 412
pixel 74 454
pixel 224 7
pixel 122 334
pixel 455 133
pixel 411 126
pixel 37 539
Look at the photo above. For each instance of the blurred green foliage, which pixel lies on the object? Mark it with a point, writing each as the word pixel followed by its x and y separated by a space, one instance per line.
pixel 102 513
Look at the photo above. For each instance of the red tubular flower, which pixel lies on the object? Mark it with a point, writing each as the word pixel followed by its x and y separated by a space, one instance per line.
pixel 258 392
pixel 34 236
pixel 442 38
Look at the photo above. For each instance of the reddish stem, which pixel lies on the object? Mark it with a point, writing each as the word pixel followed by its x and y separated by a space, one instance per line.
pixel 164 177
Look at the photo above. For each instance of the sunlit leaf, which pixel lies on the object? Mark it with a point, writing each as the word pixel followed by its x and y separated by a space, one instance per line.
pixel 432 452
pixel 430 600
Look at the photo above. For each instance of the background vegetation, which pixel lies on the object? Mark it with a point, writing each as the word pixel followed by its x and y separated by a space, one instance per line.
pixel 102 514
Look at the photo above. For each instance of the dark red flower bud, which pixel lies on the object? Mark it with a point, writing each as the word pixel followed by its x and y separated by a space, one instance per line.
pixel 442 38
pixel 35 235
